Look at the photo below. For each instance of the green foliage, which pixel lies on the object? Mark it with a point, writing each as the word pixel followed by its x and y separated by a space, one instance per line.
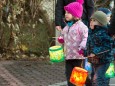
pixel 25 27
pixel 36 39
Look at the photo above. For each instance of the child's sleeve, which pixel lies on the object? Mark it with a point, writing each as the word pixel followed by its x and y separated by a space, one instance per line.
pixel 84 38
pixel 106 44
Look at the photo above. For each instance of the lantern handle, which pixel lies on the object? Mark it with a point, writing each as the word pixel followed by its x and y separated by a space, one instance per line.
pixel 54 40
pixel 82 64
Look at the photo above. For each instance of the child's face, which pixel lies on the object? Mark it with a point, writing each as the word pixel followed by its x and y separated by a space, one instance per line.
pixel 108 17
pixel 93 22
pixel 68 16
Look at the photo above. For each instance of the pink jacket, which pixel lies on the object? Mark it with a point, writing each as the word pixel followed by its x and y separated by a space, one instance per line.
pixel 75 38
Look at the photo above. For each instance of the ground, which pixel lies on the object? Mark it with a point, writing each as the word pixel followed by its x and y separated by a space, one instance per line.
pixel 31 73
pixel 34 73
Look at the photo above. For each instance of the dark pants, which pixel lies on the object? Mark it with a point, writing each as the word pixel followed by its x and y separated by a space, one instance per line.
pixel 98 75
pixel 88 81
pixel 70 64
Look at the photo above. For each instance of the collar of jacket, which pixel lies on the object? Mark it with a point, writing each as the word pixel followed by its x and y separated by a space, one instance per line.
pixel 97 28
pixel 70 23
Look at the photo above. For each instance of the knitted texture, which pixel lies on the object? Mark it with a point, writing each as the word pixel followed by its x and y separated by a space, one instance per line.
pixel 100 17
pixel 105 10
pixel 75 8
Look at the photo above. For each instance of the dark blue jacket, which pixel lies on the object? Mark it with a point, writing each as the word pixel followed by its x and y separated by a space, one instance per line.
pixel 100 44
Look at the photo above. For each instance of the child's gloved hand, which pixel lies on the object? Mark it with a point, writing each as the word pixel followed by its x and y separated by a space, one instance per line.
pixel 60 39
pixel 81 52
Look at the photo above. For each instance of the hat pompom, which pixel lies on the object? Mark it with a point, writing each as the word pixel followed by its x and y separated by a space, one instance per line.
pixel 80 1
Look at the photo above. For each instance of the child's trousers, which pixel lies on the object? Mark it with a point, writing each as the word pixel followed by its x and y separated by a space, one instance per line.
pixel 70 64
pixel 98 75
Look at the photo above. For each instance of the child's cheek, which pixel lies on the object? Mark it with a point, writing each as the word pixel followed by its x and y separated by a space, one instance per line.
pixel 92 26
pixel 108 18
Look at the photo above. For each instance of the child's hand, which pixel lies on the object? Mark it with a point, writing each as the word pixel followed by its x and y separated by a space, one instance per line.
pixel 81 52
pixel 91 55
pixel 60 39
pixel 59 28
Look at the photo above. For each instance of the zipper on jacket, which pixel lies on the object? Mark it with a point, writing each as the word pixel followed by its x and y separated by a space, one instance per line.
pixel 68 30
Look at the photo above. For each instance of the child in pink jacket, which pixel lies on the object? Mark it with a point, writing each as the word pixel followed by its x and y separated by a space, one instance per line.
pixel 75 35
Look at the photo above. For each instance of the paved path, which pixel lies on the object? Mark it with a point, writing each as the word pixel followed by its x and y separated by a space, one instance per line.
pixel 33 73
pixel 30 73
pixel 6 78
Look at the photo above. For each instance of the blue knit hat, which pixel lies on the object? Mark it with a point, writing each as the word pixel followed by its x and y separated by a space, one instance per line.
pixel 105 10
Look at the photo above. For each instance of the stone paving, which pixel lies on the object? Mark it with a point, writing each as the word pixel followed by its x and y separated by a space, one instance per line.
pixel 31 73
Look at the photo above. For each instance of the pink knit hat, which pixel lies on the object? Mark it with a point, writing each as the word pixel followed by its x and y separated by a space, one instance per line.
pixel 75 8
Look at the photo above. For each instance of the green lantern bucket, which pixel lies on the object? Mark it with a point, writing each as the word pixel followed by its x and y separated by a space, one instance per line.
pixel 110 73
pixel 56 54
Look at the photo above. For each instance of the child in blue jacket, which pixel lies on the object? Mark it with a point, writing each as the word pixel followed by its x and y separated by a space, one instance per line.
pixel 99 45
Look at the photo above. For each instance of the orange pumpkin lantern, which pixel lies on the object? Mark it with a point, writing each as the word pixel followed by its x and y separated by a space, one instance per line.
pixel 78 76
